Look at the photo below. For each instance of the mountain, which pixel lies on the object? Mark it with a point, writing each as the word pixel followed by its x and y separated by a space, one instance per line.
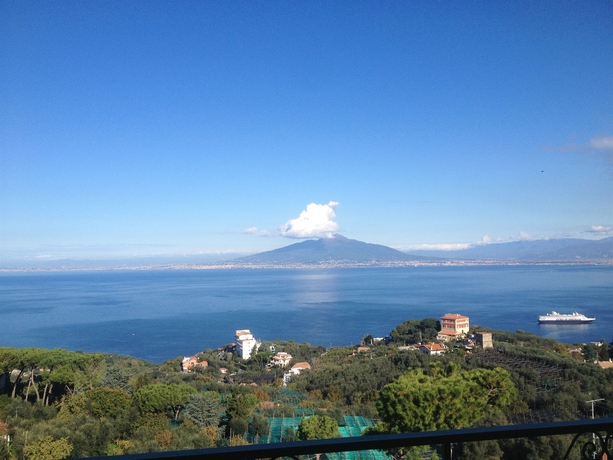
pixel 337 249
pixel 563 249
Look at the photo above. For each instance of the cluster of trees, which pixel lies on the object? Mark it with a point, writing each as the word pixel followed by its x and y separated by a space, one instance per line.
pixel 414 331
pixel 46 375
pixel 58 404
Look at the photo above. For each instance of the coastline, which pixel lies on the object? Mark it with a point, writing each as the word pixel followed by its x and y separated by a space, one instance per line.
pixel 322 265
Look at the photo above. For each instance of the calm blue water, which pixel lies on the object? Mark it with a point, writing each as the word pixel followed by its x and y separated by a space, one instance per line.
pixel 157 315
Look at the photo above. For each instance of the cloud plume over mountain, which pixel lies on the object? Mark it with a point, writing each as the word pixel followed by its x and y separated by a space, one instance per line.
pixel 316 221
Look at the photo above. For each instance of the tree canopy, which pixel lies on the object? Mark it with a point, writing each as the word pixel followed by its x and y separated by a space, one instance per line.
pixel 317 427
pixel 414 331
pixel 158 397
pixel 445 398
pixel 204 409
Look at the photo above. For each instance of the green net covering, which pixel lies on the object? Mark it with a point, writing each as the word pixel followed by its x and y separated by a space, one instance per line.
pixel 282 429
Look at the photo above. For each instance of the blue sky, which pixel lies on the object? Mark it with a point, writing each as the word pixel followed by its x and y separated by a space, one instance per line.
pixel 139 128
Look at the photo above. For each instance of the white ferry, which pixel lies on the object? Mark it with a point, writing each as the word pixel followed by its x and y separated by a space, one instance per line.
pixel 564 318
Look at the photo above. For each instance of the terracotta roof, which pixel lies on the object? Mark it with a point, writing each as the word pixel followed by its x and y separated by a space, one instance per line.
pixel 434 346
pixel 303 365
pixel 454 316
pixel 606 364
pixel 450 332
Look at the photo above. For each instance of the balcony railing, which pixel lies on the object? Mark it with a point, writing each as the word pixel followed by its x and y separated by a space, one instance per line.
pixel 594 447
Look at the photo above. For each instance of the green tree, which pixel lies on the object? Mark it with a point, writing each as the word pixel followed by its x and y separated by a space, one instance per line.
pixel 317 427
pixel 48 449
pixel 590 352
pixel 334 393
pixel 603 352
pixel 12 359
pixel 116 378
pixel 108 402
pixel 444 399
pixel 191 437
pixel 413 331
pixel 4 450
pixel 258 426
pixel 240 405
pixel 159 397
pixel 203 409
pixel 238 426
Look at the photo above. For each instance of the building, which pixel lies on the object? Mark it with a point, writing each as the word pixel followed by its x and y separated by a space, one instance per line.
pixel 445 335
pixel 484 339
pixel 433 349
pixel 281 359
pixel 453 326
pixel 606 364
pixel 245 343
pixel 455 322
pixel 190 362
pixel 299 367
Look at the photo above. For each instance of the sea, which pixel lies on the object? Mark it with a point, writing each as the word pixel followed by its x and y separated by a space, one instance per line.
pixel 161 314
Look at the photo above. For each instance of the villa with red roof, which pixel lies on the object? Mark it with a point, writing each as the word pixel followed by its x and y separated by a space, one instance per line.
pixel 299 367
pixel 453 326
pixel 433 349
pixel 281 359
pixel 190 362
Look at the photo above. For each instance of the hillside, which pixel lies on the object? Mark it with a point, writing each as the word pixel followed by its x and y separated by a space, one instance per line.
pixel 327 250
pixel 564 249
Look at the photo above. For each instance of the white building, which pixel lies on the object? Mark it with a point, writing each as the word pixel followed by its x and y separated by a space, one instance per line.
pixel 299 367
pixel 433 349
pixel 281 359
pixel 246 344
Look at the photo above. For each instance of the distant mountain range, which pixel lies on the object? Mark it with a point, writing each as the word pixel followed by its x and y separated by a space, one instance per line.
pixel 564 249
pixel 345 251
pixel 329 250
pixel 341 251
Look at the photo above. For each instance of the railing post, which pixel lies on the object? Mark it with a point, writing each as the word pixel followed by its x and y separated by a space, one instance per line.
pixel 447 451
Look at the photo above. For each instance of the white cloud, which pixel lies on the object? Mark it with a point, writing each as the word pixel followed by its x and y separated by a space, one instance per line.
pixel 598 146
pixel 316 221
pixel 488 240
pixel 600 230
pixel 485 240
pixel 523 236
pixel 257 232
pixel 602 143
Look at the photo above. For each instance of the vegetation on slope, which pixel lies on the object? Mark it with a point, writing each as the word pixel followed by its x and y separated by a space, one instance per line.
pixel 58 404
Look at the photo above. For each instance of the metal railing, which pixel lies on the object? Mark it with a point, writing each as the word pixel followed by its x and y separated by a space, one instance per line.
pixel 594 448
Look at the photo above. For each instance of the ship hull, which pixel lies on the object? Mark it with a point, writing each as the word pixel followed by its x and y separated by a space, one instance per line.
pixel 565 321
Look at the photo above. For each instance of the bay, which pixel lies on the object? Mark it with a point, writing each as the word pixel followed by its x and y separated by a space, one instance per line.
pixel 160 314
